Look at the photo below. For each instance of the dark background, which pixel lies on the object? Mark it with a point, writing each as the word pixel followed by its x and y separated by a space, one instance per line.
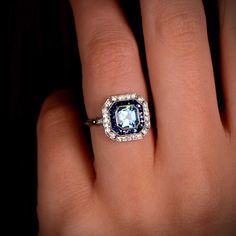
pixel 42 56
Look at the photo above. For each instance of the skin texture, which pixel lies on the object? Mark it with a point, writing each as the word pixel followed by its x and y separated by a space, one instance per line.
pixel 182 182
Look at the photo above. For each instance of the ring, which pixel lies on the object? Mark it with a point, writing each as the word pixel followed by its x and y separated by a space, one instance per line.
pixel 124 117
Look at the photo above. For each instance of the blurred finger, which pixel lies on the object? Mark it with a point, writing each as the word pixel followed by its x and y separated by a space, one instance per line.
pixel 65 172
pixel 228 55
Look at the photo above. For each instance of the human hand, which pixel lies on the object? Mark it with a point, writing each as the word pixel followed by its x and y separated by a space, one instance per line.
pixel 181 181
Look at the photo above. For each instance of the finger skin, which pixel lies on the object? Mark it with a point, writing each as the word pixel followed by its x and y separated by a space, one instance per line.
pixel 193 197
pixel 180 68
pixel 111 66
pixel 65 172
pixel 228 59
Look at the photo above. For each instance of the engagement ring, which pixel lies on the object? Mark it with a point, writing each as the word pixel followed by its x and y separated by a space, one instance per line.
pixel 124 117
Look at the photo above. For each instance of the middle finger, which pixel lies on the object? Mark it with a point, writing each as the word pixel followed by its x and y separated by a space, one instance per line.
pixel 180 69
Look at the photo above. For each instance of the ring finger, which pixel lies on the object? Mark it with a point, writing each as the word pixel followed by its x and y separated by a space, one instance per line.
pixel 111 66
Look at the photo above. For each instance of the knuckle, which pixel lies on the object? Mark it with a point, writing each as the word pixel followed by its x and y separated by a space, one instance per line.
pixel 200 205
pixel 78 221
pixel 65 213
pixel 134 210
pixel 52 115
pixel 110 51
pixel 180 30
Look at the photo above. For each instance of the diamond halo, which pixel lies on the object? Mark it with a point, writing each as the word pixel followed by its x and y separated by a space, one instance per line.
pixel 126 117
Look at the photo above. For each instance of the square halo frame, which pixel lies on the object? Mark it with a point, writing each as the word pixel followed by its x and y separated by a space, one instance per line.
pixel 132 134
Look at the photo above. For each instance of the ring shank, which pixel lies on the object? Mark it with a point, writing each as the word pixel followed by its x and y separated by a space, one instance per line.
pixel 96 121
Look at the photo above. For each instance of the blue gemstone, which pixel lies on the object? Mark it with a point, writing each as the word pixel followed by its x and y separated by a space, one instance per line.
pixel 130 119
pixel 127 117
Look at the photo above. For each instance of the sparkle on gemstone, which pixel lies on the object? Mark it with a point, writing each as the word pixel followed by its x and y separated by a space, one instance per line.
pixel 127 117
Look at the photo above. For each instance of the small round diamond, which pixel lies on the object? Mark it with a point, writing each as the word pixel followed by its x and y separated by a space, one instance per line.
pixel 104 111
pixel 108 103
pixel 144 131
pixel 107 129
pixel 128 96
pixel 140 99
pixel 139 136
pixel 147 125
pixel 121 98
pixel 124 139
pixel 129 138
pixel 106 125
pixel 145 106
pixel 112 135
pixel 105 120
pixel 118 139
pixel 105 116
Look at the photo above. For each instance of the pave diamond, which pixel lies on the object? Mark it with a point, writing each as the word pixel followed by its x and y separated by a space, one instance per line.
pixel 127 117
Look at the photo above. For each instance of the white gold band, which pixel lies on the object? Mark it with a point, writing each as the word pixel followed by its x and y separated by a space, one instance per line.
pixel 97 121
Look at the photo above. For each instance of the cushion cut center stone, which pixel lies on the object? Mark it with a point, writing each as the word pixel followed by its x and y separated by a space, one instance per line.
pixel 127 117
